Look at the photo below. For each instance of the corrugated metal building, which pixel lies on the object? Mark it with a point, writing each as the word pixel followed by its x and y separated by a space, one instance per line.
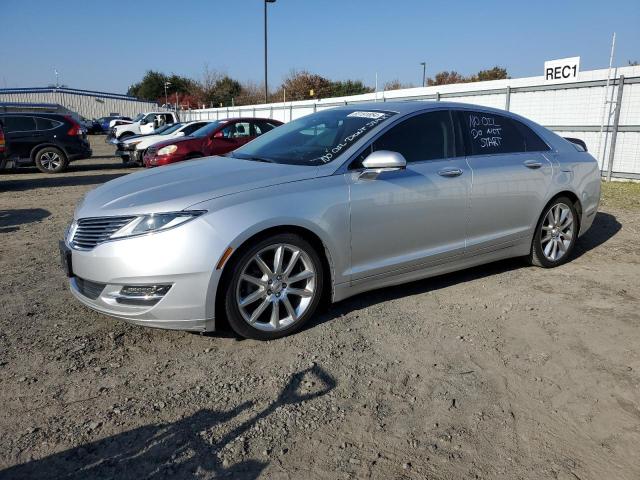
pixel 87 103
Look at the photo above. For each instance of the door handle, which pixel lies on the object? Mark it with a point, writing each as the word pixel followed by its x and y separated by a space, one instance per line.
pixel 532 164
pixel 450 172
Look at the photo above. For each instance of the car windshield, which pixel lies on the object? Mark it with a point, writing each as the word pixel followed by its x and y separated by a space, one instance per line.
pixel 139 117
pixel 316 139
pixel 206 130
pixel 167 129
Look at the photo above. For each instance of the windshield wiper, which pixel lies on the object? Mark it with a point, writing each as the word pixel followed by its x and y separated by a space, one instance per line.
pixel 254 159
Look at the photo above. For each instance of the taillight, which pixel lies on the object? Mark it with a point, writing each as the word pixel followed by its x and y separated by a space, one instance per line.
pixel 2 144
pixel 75 129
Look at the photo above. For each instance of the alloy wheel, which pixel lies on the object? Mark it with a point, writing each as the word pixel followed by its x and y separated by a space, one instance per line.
pixel 50 160
pixel 557 232
pixel 276 287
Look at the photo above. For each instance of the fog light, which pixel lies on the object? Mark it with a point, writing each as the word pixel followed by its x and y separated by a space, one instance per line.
pixel 144 290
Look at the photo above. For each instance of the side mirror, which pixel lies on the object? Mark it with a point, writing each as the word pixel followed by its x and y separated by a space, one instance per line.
pixel 180 134
pixel 218 135
pixel 382 161
pixel 143 122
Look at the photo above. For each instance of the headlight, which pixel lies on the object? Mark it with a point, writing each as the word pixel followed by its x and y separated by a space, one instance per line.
pixel 156 222
pixel 168 150
pixel 134 143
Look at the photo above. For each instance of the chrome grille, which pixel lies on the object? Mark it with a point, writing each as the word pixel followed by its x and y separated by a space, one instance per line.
pixel 93 231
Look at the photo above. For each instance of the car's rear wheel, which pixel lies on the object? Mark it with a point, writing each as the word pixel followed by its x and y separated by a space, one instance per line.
pixel 51 160
pixel 275 287
pixel 555 234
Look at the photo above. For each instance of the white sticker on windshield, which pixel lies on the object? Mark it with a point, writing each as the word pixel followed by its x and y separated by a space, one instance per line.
pixel 366 114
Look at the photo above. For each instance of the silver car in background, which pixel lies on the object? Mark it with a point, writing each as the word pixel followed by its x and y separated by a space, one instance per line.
pixel 327 206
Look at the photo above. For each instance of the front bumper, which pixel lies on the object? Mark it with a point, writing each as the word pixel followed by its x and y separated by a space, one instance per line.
pixel 183 257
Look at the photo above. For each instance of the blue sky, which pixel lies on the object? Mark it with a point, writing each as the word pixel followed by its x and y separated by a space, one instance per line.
pixel 109 45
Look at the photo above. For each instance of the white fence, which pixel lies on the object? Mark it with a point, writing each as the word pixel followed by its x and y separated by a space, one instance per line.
pixel 570 109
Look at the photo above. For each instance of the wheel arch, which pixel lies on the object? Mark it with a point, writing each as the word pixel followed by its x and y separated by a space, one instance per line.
pixel 308 234
pixel 571 196
pixel 40 146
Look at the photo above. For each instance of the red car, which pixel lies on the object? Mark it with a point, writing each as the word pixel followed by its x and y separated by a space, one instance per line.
pixel 216 138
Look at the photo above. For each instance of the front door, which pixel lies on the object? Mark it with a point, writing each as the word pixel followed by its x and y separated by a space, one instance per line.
pixel 410 219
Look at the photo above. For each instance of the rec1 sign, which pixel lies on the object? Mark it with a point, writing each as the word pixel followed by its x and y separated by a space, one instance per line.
pixel 562 70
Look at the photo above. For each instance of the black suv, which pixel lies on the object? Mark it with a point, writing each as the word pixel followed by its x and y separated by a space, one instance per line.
pixel 47 140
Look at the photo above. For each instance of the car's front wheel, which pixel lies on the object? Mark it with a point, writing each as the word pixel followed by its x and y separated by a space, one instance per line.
pixel 275 287
pixel 51 160
pixel 555 234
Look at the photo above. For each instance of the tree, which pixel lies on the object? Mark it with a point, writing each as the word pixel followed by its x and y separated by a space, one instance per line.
pixel 447 78
pixel 151 87
pixel 224 92
pixel 251 94
pixel 348 87
pixel 496 73
pixel 300 84
pixel 397 85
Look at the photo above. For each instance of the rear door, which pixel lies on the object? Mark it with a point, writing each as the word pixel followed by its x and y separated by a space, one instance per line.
pixel 414 218
pixel 21 133
pixel 511 178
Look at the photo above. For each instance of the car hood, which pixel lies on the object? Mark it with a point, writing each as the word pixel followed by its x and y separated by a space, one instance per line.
pixel 175 140
pixel 176 187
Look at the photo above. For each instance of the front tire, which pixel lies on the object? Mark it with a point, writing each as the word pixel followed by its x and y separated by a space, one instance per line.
pixel 275 287
pixel 51 160
pixel 555 235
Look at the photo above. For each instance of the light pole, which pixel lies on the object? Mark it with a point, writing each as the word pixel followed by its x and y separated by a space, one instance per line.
pixel 424 73
pixel 166 98
pixel 266 88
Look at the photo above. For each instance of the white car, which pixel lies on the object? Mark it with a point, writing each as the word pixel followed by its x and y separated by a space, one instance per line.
pixel 143 124
pixel 132 149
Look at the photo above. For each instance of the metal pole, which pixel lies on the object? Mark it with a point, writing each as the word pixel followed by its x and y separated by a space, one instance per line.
pixel 424 73
pixel 614 133
pixel 507 100
pixel 376 99
pixel 266 87
pixel 604 101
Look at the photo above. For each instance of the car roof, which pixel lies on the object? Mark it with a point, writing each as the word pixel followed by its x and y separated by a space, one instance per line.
pixel 57 116
pixel 410 106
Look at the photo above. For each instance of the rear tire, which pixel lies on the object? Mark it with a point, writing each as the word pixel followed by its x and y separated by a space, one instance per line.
pixel 273 287
pixel 51 160
pixel 555 235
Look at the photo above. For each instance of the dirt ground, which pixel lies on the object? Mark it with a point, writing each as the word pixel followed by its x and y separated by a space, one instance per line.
pixel 504 371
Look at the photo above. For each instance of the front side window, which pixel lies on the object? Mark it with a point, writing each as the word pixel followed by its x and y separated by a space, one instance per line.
pixel 316 139
pixel 19 124
pixel 491 134
pixel 427 136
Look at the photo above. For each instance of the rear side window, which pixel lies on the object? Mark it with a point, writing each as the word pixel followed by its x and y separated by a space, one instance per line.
pixel 19 124
pixel 427 136
pixel 491 134
pixel 46 123
pixel 532 142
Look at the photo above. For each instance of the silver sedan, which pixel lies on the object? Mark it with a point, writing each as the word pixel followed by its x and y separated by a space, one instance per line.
pixel 327 206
